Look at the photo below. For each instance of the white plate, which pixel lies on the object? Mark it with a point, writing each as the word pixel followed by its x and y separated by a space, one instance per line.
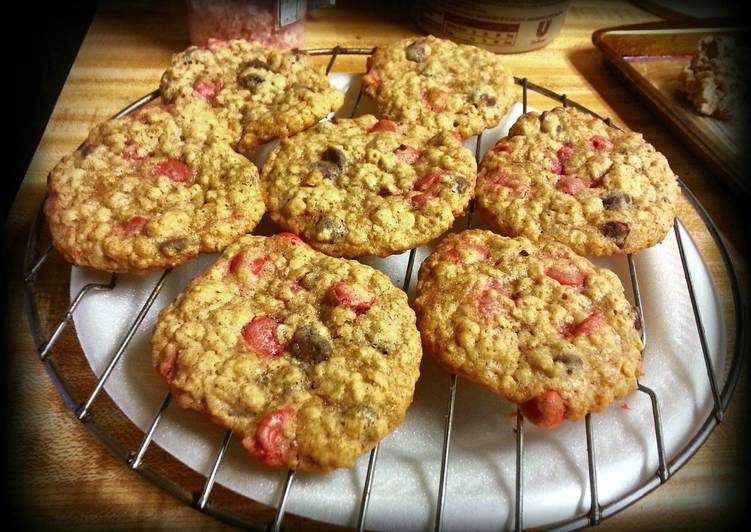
pixel 481 476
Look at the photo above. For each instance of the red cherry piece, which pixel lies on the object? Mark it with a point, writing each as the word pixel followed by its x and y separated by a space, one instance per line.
pixel 457 136
pixel 176 170
pixel 488 301
pixel 342 294
pixel 407 154
pixel 599 143
pixel 257 264
pixel 503 148
pixel 565 152
pixel 570 185
pixel 428 180
pixel 573 277
pixel 168 367
pixel 270 444
pixel 546 410
pixel 502 177
pixel 468 253
pixel 290 237
pixel 384 125
pixel 556 167
pixel 418 200
pixel 436 99
pixel 260 336
pixel 134 224
pixel 236 261
pixel 592 322
pixel 205 89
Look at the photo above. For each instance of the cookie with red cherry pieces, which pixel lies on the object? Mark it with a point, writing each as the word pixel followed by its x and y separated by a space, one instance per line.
pixel 310 359
pixel 260 93
pixel 360 186
pixel 150 191
pixel 426 83
pixel 533 322
pixel 568 176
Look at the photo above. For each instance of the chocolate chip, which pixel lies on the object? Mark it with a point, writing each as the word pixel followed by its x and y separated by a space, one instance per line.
pixel 298 54
pixel 571 361
pixel 250 80
pixel 255 63
pixel 310 279
pixel 460 185
pixel 618 231
pixel 335 156
pixel 384 347
pixel 524 253
pixel 308 345
pixel 87 149
pixel 616 200
pixel 487 99
pixel 174 246
pixel 637 321
pixel 328 170
pixel 329 229
pixel 416 52
pixel 248 74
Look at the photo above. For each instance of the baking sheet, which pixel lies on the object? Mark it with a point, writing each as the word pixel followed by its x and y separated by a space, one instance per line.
pixel 650 58
pixel 481 475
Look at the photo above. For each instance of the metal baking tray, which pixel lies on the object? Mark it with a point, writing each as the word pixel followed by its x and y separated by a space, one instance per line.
pixel 649 58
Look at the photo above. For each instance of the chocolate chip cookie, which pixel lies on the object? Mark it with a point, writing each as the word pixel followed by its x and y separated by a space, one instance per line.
pixel 310 360
pixel 260 93
pixel 566 175
pixel 430 84
pixel 150 191
pixel 533 322
pixel 360 186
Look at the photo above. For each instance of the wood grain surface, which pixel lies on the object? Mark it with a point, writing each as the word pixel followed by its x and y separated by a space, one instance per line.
pixel 60 476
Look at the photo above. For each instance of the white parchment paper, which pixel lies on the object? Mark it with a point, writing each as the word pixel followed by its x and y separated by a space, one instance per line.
pixel 481 475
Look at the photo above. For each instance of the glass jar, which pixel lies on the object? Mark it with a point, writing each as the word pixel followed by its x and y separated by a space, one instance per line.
pixel 277 23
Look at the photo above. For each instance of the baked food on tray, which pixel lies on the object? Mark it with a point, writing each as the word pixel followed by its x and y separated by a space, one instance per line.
pixel 533 322
pixel 360 186
pixel 716 82
pixel 150 191
pixel 428 84
pixel 568 176
pixel 260 93
pixel 309 359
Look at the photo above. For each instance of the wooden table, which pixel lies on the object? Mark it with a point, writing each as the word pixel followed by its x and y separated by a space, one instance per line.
pixel 63 477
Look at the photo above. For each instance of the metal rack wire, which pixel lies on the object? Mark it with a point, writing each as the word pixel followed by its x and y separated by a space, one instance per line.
pixel 34 262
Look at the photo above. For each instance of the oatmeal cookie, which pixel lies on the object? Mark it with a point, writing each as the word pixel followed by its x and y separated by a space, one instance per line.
pixel 310 359
pixel 150 191
pixel 715 82
pixel 260 93
pixel 533 322
pixel 360 186
pixel 568 176
pixel 428 84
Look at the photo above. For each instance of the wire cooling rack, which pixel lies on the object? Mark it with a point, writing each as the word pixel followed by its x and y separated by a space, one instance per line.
pixel 38 254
